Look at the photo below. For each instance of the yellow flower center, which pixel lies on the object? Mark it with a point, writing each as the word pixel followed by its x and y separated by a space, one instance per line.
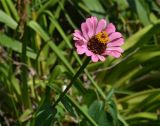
pixel 102 37
pixel 98 43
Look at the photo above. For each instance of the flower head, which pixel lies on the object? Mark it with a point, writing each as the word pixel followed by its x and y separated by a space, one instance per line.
pixel 98 39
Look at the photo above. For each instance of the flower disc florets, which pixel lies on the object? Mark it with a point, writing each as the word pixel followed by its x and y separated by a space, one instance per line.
pixel 98 43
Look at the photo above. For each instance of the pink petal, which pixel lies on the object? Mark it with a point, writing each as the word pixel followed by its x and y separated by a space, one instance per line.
pixel 95 22
pixel 113 53
pixel 78 36
pixel 84 29
pixel 89 53
pixel 102 58
pixel 117 42
pixel 94 58
pixel 118 49
pixel 82 46
pixel 110 28
pixel 81 50
pixel 79 43
pixel 77 33
pixel 74 38
pixel 89 23
pixel 115 35
pixel 101 25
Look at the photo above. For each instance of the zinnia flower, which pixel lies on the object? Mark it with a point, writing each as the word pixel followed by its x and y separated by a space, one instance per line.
pixel 98 39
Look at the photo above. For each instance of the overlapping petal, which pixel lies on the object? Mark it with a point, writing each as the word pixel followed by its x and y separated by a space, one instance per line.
pixel 110 28
pixel 94 58
pixel 117 42
pixel 78 36
pixel 101 25
pixel 118 49
pixel 112 53
pixel 114 36
pixel 81 49
pixel 89 23
pixel 84 29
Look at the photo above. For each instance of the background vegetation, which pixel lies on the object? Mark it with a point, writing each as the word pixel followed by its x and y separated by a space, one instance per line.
pixel 38 60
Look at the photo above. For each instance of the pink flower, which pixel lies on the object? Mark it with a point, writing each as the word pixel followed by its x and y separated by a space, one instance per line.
pixel 98 39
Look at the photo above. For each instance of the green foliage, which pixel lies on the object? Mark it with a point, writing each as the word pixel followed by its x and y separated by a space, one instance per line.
pixel 38 61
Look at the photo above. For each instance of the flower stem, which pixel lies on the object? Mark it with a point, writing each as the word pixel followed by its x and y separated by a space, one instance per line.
pixel 86 62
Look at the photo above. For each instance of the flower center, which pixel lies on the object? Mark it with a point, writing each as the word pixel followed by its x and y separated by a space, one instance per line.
pixel 98 43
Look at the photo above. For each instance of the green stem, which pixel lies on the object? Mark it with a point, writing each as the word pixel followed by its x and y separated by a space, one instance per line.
pixel 86 62
pixel 24 75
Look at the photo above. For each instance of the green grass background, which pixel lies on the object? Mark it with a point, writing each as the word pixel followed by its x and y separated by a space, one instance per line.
pixel 38 59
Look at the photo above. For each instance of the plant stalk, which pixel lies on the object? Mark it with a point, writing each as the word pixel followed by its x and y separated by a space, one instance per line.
pixel 86 62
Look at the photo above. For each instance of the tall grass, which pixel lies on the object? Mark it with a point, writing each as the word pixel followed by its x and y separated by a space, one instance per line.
pixel 38 60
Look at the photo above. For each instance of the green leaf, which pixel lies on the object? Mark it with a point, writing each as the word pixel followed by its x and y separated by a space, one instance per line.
pixel 13 9
pixel 142 12
pixel 4 5
pixel 150 51
pixel 95 7
pixel 139 96
pixel 35 26
pixel 121 119
pixel 142 36
pixel 45 115
pixel 110 94
pixel 55 73
pixel 46 5
pixel 112 109
pixel 15 45
pixel 68 106
pixel 88 118
pixel 25 115
pixel 145 115
pixel 89 96
pixel 96 111
pixel 46 38
pixel 4 18
pixel 122 4
pixel 15 85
